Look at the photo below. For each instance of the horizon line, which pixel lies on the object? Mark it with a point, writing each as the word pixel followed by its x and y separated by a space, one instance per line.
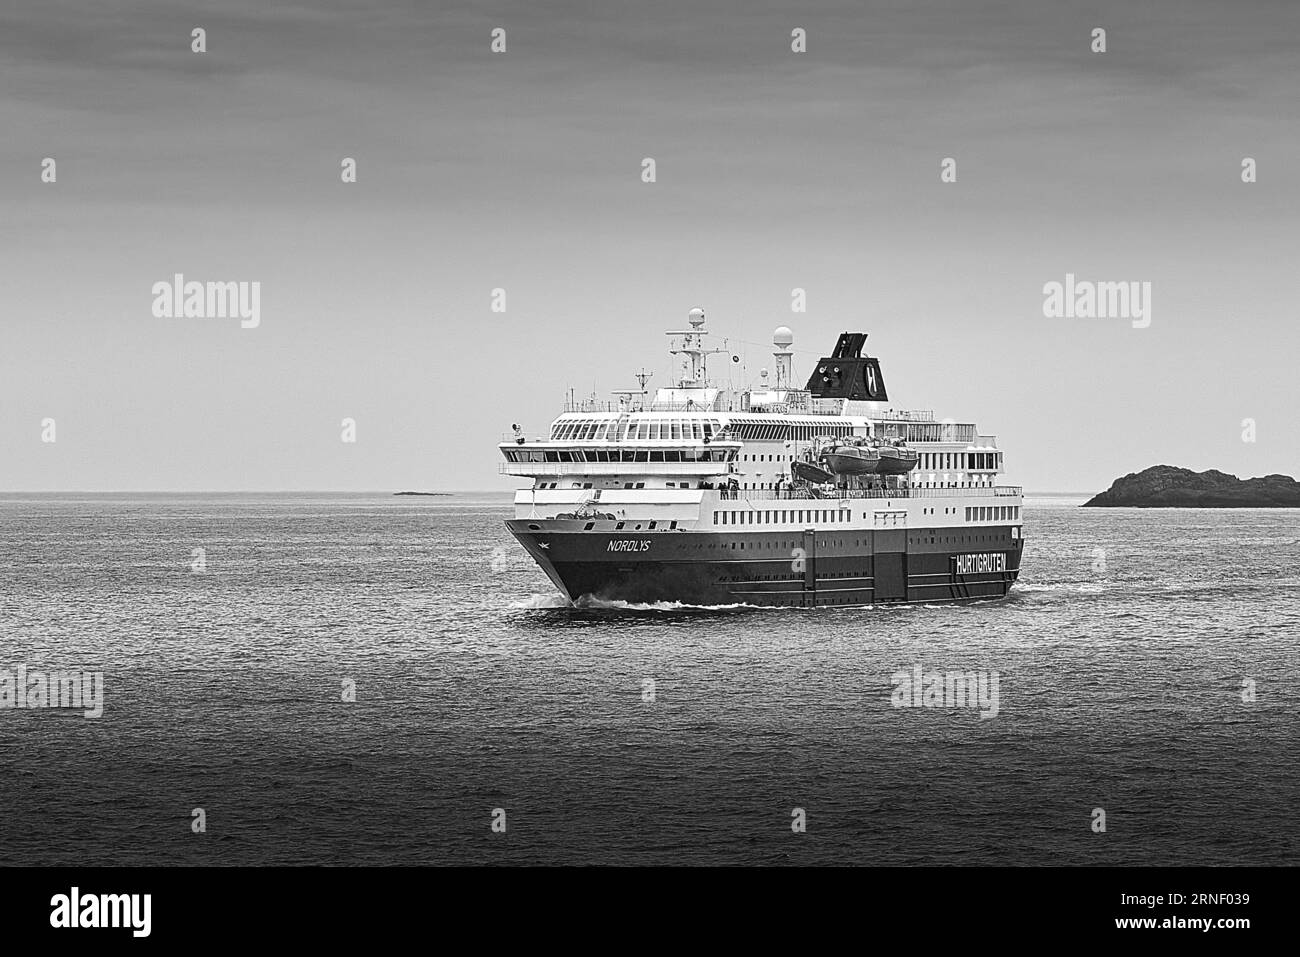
pixel 330 491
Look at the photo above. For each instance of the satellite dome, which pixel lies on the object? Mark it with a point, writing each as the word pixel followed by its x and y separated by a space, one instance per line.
pixel 696 316
pixel 783 337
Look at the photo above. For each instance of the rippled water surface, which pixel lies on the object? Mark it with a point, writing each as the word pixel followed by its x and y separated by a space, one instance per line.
pixel 1121 658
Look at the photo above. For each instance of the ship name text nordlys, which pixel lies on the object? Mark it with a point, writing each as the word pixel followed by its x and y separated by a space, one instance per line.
pixel 629 545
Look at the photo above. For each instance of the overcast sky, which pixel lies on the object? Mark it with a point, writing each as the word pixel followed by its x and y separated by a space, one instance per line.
pixel 522 170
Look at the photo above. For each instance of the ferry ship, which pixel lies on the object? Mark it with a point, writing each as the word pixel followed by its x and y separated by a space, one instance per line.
pixel 824 495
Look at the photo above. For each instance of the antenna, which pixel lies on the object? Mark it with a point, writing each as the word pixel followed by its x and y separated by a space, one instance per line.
pixel 642 376
pixel 692 346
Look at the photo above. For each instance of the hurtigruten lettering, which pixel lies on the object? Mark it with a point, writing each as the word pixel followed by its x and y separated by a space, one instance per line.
pixel 982 563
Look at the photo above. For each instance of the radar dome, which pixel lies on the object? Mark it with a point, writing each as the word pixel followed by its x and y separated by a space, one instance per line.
pixel 696 316
pixel 783 337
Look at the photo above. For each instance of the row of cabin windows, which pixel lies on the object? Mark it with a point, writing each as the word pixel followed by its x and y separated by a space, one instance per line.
pixel 608 429
pixel 993 513
pixel 981 513
pixel 777 516
pixel 931 538
pixel 784 431
pixel 620 455
pixel 781 545
pixel 582 430
pixel 632 485
pixel 960 461
pixel 910 431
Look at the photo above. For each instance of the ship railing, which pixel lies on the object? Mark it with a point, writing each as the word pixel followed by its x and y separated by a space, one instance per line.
pixel 902 415
pixel 615 407
pixel 684 470
pixel 815 492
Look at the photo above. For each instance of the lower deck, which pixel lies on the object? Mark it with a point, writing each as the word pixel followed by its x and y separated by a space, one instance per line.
pixel 804 568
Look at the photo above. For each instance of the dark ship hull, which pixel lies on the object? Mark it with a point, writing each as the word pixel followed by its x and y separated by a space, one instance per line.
pixel 793 568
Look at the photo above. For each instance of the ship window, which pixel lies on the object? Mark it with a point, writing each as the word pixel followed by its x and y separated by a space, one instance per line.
pixel 656 456
pixel 640 485
pixel 672 525
pixel 652 525
pixel 715 518
pixel 642 456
